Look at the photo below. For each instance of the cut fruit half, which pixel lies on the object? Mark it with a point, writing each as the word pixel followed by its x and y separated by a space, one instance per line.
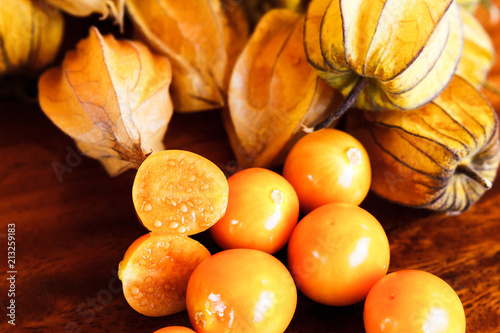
pixel 155 272
pixel 179 192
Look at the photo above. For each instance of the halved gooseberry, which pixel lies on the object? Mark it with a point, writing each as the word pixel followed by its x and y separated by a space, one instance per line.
pixel 177 191
pixel 155 271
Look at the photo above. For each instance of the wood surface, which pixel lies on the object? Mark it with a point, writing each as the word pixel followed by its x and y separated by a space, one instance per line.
pixel 72 231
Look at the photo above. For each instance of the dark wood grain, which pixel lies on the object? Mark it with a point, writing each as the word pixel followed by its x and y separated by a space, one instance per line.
pixel 72 230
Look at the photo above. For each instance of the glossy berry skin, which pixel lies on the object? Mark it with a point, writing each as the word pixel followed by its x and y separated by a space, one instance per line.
pixel 413 301
pixel 328 166
pixel 262 211
pixel 337 253
pixel 241 290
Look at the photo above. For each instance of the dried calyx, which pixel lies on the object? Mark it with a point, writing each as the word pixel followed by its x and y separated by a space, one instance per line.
pixel 106 8
pixel 118 119
pixel 274 92
pixel 202 41
pixel 443 156
pixel 30 35
pixel 379 54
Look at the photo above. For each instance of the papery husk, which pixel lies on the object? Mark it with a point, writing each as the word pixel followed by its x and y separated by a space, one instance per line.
pixel 472 5
pixel 295 5
pixel 418 157
pixel 407 51
pixel 274 91
pixel 112 97
pixel 236 32
pixel 255 9
pixel 30 35
pixel 478 54
pixel 201 39
pixel 105 8
pixel 469 5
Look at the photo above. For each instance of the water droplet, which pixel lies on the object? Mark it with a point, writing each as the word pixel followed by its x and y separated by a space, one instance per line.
pixel 173 202
pixel 157 223
pixel 151 290
pixel 190 204
pixel 189 189
pixel 191 178
pixel 173 225
pixel 149 279
pixel 184 208
pixel 172 162
pixel 142 262
pixel 135 290
pixel 181 229
pixel 144 302
pixel 147 207
pixel 199 319
pixel 205 187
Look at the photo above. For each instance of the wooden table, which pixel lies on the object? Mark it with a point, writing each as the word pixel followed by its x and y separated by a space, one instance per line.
pixel 72 230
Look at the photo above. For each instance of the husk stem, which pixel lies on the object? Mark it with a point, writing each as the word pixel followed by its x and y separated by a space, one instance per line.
pixel 346 105
pixel 471 173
